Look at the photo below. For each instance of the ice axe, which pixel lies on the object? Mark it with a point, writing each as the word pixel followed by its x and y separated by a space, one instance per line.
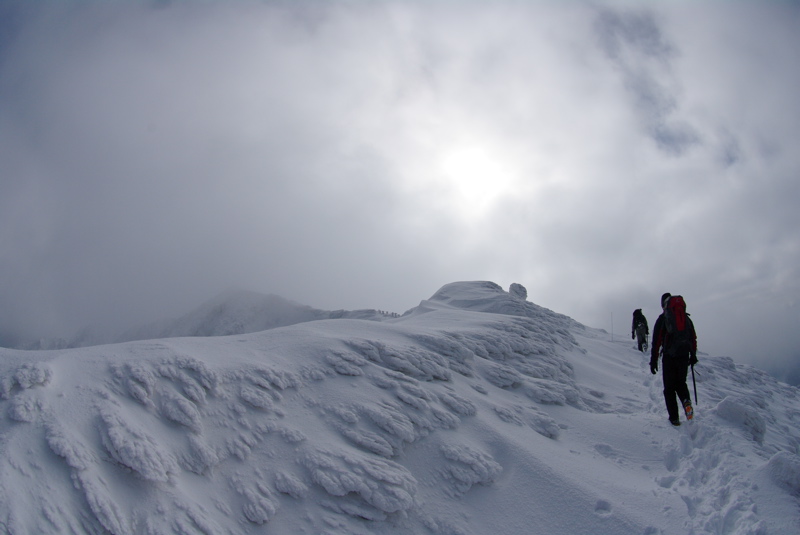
pixel 694 383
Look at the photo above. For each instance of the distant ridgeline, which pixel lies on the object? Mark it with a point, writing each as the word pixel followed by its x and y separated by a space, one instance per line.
pixel 233 312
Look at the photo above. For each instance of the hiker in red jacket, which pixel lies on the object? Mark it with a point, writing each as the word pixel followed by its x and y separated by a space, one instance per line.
pixel 674 332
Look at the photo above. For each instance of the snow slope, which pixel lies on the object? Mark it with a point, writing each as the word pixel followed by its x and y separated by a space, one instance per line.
pixel 477 412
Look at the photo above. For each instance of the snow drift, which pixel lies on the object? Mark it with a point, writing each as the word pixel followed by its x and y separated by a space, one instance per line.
pixel 475 412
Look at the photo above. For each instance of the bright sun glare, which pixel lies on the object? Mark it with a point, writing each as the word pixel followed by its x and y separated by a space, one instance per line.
pixel 477 178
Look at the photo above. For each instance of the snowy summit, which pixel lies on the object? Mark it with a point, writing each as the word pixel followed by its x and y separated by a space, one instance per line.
pixel 476 412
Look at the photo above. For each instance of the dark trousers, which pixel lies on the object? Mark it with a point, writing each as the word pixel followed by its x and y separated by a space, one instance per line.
pixel 641 338
pixel 674 371
pixel 641 335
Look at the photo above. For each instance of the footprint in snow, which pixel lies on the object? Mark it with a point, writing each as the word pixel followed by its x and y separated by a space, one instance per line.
pixel 602 508
pixel 606 451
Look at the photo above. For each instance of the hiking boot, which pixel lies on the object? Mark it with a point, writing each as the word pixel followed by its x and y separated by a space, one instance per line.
pixel 687 406
pixel 676 422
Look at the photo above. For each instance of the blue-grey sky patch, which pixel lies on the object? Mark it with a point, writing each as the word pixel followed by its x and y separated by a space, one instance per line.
pixel 635 43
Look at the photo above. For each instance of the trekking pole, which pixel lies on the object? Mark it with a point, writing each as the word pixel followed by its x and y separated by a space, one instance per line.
pixel 694 383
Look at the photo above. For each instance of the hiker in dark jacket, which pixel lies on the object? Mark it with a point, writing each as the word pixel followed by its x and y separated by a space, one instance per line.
pixel 639 329
pixel 677 357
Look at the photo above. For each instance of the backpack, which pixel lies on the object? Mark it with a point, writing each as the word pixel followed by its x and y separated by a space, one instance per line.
pixel 641 330
pixel 639 322
pixel 676 323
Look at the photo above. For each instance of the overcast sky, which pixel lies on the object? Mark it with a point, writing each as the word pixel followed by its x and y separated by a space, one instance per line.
pixel 362 154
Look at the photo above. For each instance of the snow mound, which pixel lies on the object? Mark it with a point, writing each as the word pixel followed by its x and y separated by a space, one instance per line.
pixel 784 469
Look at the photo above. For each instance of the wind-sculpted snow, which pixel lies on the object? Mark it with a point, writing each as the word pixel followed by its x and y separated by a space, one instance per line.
pixel 158 415
pixel 435 422
pixel 466 467
pixel 134 449
pixel 24 377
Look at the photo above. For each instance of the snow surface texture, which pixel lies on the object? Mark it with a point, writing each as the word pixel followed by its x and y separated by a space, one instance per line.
pixel 477 412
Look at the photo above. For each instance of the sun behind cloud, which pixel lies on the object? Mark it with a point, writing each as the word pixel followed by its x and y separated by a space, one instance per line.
pixel 477 177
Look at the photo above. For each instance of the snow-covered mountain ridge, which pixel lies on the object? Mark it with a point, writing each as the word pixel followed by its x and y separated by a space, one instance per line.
pixel 240 312
pixel 476 412
pixel 231 312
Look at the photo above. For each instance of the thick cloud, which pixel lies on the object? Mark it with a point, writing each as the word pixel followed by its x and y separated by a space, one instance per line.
pixel 363 154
